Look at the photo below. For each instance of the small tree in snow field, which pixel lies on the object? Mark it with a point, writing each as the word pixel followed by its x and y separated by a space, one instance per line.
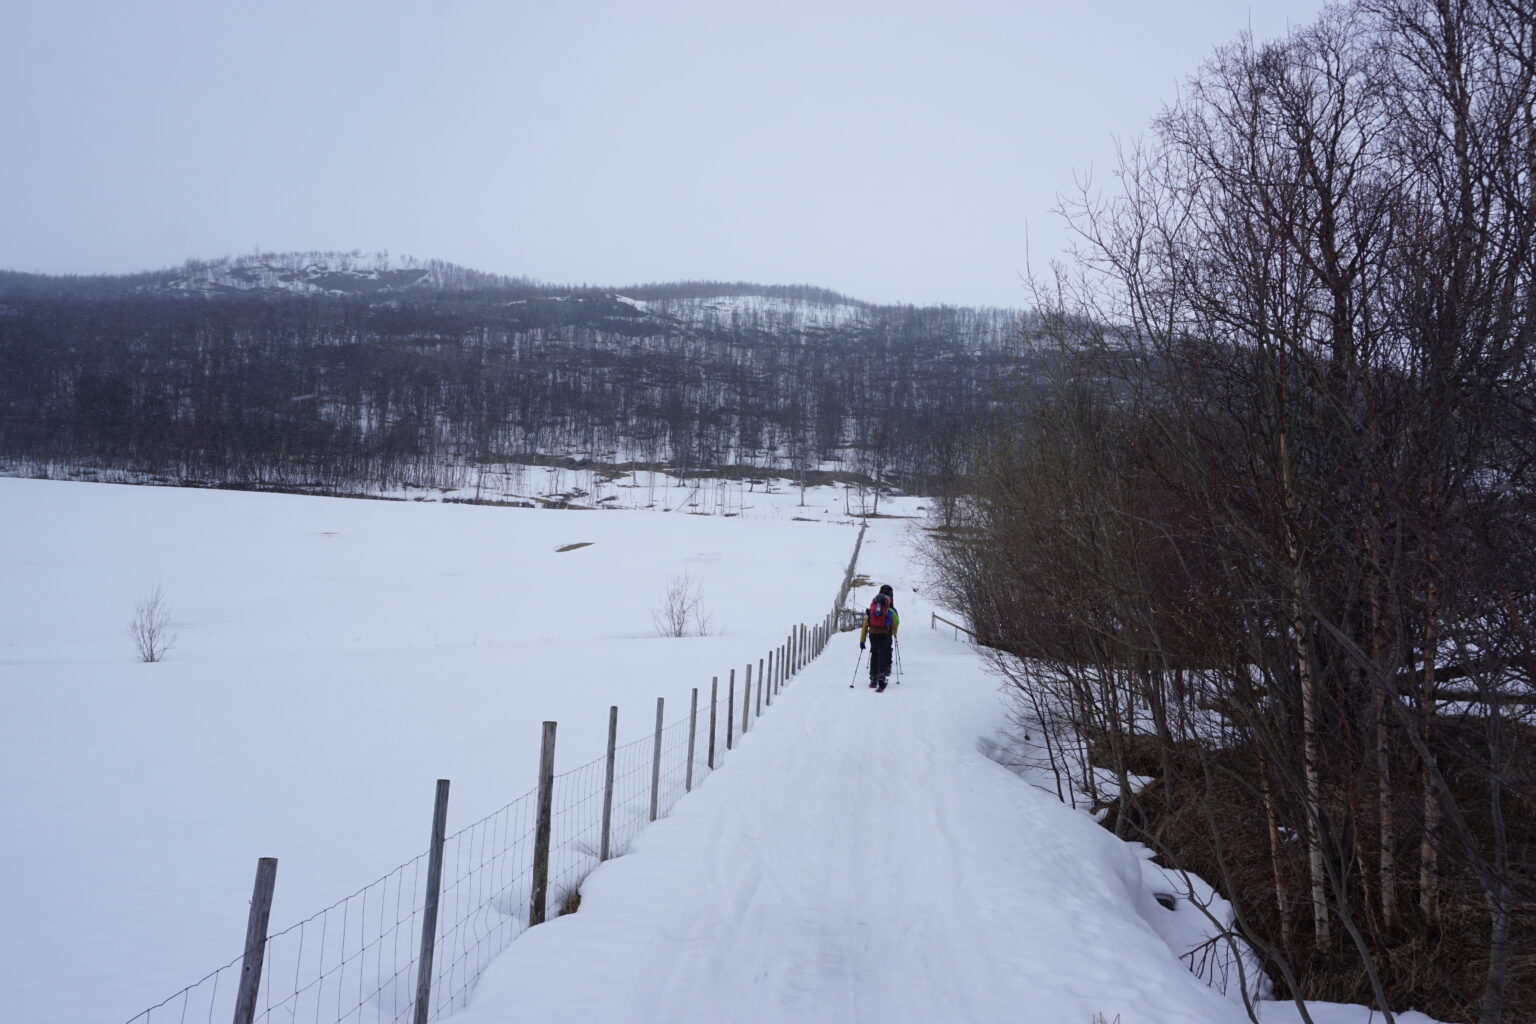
pixel 681 611
pixel 150 628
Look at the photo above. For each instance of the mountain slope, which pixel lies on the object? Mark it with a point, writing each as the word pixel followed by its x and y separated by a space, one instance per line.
pixel 347 373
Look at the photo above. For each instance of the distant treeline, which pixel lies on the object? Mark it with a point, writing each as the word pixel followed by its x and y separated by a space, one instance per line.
pixel 169 373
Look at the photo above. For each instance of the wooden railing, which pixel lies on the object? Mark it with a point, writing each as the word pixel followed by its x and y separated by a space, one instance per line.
pixel 935 618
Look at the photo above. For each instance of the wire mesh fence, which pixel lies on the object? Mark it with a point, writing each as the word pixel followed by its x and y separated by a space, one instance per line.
pixel 359 960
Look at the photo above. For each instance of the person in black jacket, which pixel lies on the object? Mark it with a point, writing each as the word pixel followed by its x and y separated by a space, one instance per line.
pixel 880 625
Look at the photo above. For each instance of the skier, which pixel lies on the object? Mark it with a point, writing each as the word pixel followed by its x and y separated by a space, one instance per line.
pixel 880 625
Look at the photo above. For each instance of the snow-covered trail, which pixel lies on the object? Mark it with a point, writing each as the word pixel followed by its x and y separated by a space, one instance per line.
pixel 859 859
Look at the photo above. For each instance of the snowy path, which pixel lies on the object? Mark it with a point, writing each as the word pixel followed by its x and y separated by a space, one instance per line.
pixel 860 860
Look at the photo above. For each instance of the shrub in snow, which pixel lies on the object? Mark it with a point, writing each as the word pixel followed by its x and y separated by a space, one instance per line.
pixel 681 610
pixel 1200 927
pixel 150 628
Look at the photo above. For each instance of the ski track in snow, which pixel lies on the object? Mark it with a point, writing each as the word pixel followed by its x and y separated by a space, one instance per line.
pixel 858 860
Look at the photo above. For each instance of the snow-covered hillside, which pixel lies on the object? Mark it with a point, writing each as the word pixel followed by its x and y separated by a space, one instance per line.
pixel 320 273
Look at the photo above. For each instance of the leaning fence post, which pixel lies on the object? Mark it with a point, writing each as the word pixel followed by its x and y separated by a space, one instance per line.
pixel 613 742
pixel 730 710
pixel 541 826
pixel 656 759
pixel 763 684
pixel 429 905
pixel 693 728
pixel 773 673
pixel 714 699
pixel 255 939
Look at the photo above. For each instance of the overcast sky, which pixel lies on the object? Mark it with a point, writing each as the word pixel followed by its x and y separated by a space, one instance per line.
pixel 895 152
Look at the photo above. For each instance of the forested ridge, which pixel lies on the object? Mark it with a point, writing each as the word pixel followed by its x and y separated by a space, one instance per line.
pixel 345 371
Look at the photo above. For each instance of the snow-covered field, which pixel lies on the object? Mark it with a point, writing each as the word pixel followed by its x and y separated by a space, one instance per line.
pixel 859 857
pixel 333 659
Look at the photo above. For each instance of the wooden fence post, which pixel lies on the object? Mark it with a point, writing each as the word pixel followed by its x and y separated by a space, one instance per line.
pixel 714 700
pixel 693 728
pixel 761 686
pixel 773 672
pixel 746 702
pixel 730 711
pixel 604 848
pixel 429 905
pixel 541 825
pixel 763 683
pixel 656 759
pixel 255 940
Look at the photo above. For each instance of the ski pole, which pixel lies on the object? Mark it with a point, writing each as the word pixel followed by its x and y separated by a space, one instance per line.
pixel 899 671
pixel 856 665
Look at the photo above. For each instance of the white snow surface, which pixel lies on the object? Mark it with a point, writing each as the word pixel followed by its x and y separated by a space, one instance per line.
pixel 858 858
pixel 335 657
pixel 861 859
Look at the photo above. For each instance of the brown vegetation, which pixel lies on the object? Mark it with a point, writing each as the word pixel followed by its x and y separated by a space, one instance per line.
pixel 1270 535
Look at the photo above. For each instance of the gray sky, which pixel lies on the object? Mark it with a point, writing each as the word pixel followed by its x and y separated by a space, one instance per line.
pixel 893 151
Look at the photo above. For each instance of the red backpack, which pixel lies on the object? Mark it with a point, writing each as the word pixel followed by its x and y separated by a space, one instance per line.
pixel 880 614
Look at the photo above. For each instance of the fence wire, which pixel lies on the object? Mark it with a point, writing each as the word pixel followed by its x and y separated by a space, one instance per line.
pixel 357 961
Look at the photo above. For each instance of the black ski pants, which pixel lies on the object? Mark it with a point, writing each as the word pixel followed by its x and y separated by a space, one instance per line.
pixel 879 656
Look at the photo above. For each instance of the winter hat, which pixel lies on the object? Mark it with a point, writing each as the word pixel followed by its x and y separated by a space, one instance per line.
pixel 885 588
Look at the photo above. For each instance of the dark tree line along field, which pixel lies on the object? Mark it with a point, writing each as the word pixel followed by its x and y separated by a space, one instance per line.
pixel 292 369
